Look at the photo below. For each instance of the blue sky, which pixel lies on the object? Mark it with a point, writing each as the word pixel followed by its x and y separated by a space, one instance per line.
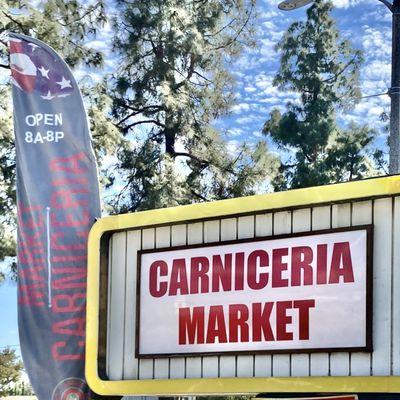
pixel 367 23
pixel 9 329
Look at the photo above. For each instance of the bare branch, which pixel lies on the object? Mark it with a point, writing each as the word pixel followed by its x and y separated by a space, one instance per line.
pixel 146 121
pixel 238 33
pixel 222 29
pixel 137 111
pixel 156 107
pixel 203 162
pixel 188 155
pixel 21 26
pixel 202 76
pixel 332 78
pixel 198 195
pixel 190 72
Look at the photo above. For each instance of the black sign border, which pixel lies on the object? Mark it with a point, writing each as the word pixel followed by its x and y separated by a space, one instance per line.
pixel 368 348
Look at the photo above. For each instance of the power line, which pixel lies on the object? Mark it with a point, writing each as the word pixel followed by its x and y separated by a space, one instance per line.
pixel 372 95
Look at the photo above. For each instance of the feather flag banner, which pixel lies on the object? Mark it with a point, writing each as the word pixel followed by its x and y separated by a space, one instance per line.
pixel 57 203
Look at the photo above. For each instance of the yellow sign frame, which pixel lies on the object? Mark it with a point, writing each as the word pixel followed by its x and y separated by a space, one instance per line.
pixel 365 189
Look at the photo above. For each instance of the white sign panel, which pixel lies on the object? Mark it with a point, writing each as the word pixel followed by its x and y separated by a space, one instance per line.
pixel 308 292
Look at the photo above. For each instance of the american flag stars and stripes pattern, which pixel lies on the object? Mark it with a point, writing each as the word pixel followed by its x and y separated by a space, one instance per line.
pixel 36 70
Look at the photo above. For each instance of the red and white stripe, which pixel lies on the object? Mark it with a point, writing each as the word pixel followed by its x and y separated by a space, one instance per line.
pixel 23 70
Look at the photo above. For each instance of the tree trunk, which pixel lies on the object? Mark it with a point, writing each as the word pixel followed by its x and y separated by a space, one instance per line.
pixel 170 142
pixel 170 136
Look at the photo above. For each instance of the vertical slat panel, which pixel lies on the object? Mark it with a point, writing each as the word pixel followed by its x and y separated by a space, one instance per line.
pixel 178 235
pixel 264 225
pixel 245 364
pixel 211 234
pixel 262 363
pixel 228 229
pixel 340 362
pixel 320 219
pixel 341 215
pixel 301 220
pixel 148 238
pixel 131 364
pixel 301 223
pixel 360 363
pixel 178 238
pixel 211 231
pixel 282 224
pixel 195 233
pixel 362 213
pixel 382 286
pixel 117 300
pixel 227 364
pixel 161 365
pixel 109 267
pixel 146 367
pixel 194 364
pixel 396 290
pixel 163 237
pixel 246 227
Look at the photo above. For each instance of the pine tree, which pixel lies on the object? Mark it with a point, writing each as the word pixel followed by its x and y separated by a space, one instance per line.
pixel 10 370
pixel 323 69
pixel 171 85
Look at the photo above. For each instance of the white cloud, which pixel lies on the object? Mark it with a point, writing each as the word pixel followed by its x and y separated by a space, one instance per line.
pixel 347 3
pixel 246 120
pixel 235 132
pixel 238 108
pixel 250 89
pixel 233 146
pixel 377 42
pixel 100 45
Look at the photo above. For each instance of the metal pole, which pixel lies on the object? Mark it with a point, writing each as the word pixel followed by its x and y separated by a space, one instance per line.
pixel 394 91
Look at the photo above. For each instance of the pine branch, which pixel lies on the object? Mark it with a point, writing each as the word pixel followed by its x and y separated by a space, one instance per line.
pixel 19 24
pixel 287 166
pixel 146 121
pixel 147 109
pixel 239 32
pixel 189 74
pixel 155 136
pixel 222 29
pixel 202 76
pixel 199 195
pixel 144 108
pixel 84 15
pixel 335 76
pixel 188 155
pixel 204 163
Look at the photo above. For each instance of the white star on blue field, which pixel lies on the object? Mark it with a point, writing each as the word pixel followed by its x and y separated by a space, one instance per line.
pixel 367 23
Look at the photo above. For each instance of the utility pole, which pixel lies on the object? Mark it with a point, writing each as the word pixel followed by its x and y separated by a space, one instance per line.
pixel 394 91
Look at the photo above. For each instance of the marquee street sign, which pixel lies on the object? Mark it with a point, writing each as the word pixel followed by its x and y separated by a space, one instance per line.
pixel 262 294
